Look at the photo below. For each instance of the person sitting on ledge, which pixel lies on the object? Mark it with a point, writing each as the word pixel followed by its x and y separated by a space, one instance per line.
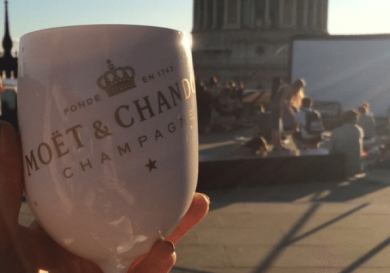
pixel 347 139
pixel 309 126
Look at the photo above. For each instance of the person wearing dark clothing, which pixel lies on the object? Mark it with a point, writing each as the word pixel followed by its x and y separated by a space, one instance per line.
pixel 308 130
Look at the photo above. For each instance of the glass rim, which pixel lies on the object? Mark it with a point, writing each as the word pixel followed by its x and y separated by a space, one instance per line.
pixel 96 26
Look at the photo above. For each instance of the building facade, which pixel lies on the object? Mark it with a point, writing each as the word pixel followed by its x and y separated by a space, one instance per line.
pixel 249 40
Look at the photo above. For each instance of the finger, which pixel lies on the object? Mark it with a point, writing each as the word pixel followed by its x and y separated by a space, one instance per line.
pixel 161 258
pixel 48 255
pixel 11 189
pixel 197 211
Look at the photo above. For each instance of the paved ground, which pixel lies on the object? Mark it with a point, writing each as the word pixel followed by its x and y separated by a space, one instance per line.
pixel 339 226
pixel 314 227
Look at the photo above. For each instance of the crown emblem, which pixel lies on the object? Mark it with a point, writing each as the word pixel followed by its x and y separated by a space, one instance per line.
pixel 117 79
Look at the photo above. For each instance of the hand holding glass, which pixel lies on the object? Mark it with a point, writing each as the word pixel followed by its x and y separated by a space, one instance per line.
pixel 107 116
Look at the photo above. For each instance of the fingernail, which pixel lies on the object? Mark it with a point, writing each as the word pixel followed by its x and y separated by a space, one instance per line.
pixel 165 247
pixel 170 246
pixel 207 197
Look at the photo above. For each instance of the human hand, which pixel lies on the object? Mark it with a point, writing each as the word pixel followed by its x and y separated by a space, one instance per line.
pixel 25 249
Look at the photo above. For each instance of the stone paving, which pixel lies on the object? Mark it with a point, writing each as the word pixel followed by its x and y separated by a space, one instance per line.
pixel 314 227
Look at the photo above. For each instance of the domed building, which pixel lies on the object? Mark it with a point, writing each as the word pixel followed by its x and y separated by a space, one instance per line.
pixel 249 40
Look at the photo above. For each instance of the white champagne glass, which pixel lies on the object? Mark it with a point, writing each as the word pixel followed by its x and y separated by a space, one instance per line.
pixel 108 123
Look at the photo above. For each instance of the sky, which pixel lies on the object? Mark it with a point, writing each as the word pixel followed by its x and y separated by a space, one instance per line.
pixel 359 16
pixel 345 16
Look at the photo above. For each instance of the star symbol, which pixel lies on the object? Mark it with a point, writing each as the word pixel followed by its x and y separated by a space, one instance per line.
pixel 151 165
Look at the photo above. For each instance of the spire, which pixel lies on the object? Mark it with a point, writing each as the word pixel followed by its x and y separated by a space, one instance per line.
pixel 7 41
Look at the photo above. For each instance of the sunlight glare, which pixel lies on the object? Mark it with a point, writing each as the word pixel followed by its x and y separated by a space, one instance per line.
pixel 187 40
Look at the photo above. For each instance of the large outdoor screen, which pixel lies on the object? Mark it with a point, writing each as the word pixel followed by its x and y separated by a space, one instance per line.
pixel 347 69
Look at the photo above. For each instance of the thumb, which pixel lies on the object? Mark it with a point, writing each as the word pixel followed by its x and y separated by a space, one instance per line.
pixel 11 173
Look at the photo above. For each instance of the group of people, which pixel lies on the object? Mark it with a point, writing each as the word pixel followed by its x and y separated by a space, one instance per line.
pixel 218 101
pixel 289 103
pixel 358 126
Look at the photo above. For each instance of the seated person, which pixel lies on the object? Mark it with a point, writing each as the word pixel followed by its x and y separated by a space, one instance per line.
pixel 367 123
pixel 257 145
pixel 309 126
pixel 347 139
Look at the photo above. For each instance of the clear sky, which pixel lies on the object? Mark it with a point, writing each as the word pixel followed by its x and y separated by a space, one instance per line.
pixel 359 16
pixel 345 16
